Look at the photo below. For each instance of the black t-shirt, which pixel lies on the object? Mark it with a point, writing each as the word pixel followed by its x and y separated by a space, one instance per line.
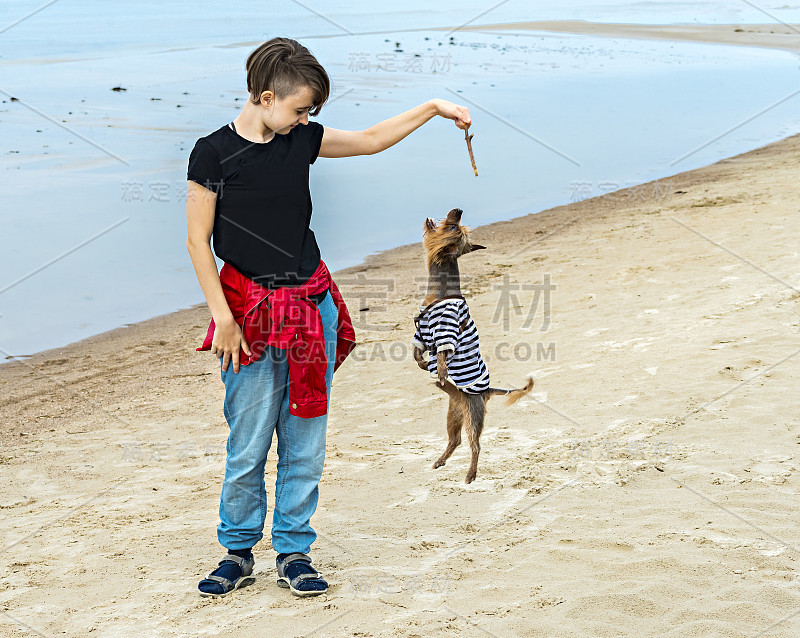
pixel 263 208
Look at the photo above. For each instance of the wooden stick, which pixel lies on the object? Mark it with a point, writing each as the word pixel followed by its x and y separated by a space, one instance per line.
pixel 469 148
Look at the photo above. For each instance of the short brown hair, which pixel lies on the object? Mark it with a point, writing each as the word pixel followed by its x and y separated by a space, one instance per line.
pixel 283 66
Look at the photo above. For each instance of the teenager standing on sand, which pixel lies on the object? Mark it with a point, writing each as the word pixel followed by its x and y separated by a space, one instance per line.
pixel 248 188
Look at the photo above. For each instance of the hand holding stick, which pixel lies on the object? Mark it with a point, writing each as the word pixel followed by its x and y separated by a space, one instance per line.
pixel 469 148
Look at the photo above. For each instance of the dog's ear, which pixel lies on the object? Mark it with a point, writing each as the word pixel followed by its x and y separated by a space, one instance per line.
pixel 429 224
pixel 475 247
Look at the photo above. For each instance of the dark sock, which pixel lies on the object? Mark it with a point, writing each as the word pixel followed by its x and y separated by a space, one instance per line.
pixel 241 553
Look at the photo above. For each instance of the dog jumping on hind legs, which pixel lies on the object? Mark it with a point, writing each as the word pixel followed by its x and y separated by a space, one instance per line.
pixel 445 329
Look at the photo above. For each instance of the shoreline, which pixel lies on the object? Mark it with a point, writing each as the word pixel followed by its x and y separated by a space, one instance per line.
pixel 159 328
pixel 379 258
pixel 115 333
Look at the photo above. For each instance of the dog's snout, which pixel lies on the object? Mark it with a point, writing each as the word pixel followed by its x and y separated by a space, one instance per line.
pixel 455 214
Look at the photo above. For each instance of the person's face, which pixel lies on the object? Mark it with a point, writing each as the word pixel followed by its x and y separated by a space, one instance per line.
pixel 282 115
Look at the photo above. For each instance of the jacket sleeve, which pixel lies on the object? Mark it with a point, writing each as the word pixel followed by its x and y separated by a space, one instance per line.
pixel 345 332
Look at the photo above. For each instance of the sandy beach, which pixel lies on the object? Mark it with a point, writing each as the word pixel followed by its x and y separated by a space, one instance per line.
pixel 647 486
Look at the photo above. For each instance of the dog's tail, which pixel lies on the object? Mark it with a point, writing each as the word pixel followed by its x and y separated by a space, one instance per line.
pixel 512 396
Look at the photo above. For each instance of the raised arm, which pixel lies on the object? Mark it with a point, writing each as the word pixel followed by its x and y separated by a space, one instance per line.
pixel 377 138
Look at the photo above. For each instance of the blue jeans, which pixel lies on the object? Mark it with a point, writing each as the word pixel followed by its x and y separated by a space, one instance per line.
pixel 256 405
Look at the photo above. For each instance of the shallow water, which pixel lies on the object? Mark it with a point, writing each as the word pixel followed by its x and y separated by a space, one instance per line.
pixel 92 178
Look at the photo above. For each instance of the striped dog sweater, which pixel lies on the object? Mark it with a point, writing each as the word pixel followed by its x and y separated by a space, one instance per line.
pixel 446 325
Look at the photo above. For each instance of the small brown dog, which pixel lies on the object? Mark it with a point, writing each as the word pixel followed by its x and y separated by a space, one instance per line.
pixel 445 328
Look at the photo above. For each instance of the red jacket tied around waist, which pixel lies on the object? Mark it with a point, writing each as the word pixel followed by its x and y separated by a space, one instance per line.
pixel 287 319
